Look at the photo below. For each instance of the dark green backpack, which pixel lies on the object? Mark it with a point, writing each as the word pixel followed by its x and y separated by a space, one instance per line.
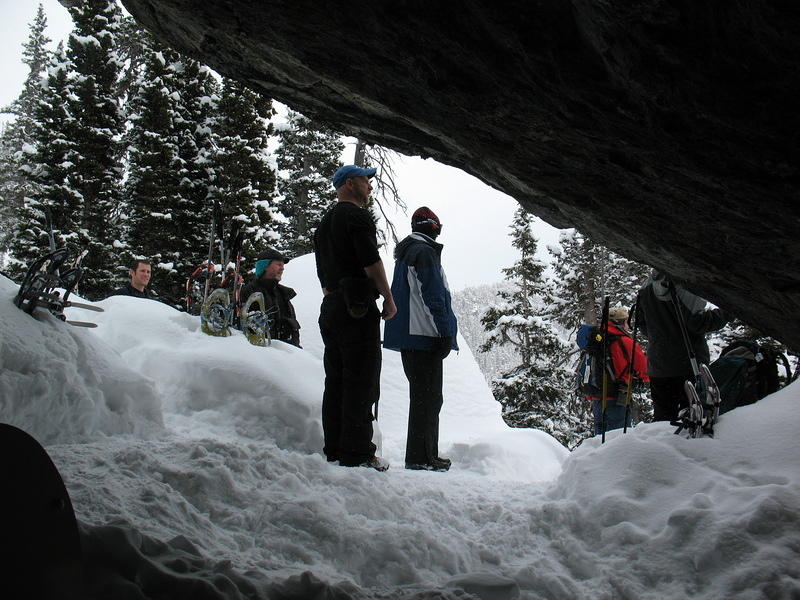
pixel 746 372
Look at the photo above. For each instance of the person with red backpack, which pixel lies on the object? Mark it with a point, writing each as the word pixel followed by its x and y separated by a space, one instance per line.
pixel 620 347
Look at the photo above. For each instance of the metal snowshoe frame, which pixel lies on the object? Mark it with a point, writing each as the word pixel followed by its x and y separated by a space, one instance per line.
pixel 38 287
pixel 255 323
pixel 215 316
pixel 703 394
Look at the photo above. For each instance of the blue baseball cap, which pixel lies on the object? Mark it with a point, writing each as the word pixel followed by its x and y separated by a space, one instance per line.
pixel 348 172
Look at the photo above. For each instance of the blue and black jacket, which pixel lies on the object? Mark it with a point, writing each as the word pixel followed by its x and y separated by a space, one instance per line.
pixel 419 288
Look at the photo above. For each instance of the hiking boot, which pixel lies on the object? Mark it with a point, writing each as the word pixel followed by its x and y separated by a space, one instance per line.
pixel 377 463
pixel 437 464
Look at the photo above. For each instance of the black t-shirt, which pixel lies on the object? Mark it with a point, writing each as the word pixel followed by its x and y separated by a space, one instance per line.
pixel 345 242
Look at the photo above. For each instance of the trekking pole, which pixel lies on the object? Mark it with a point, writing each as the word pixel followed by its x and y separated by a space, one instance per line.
pixel 604 333
pixel 51 240
pixel 629 391
pixel 236 251
pixel 682 326
pixel 214 212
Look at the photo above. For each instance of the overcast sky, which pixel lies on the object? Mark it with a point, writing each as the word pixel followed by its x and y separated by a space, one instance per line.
pixel 476 218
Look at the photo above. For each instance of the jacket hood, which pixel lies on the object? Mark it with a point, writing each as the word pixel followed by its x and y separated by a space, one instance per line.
pixel 415 238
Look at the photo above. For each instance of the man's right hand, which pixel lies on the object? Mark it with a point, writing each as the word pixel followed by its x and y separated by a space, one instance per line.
pixel 389 309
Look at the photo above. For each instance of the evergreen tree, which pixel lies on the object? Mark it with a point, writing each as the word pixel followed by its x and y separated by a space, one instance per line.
pixel 49 164
pixel 583 274
pixel 94 106
pixel 199 97
pixel 245 181
pixel 307 156
pixel 535 393
pixel 155 169
pixel 36 56
pixel 171 152
pixel 17 138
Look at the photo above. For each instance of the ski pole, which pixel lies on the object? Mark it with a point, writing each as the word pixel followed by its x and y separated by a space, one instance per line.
pixel 682 326
pixel 48 218
pixel 214 213
pixel 604 333
pixel 629 391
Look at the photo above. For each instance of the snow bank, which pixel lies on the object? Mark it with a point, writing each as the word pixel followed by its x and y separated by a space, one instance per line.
pixel 61 384
pixel 194 467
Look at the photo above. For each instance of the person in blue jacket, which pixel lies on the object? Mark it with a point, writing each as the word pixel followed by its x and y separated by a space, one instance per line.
pixel 424 331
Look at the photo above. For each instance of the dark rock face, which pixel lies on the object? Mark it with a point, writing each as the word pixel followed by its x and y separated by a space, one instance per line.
pixel 666 130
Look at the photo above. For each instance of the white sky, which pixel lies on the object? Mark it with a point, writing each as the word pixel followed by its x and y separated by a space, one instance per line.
pixel 476 217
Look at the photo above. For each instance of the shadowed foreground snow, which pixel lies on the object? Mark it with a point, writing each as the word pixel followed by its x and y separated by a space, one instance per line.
pixel 194 467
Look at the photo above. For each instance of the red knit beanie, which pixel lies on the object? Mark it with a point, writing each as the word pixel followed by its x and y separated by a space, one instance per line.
pixel 425 216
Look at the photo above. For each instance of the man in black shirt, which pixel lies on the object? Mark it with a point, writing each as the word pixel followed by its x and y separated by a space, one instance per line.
pixel 352 276
pixel 140 276
pixel 277 298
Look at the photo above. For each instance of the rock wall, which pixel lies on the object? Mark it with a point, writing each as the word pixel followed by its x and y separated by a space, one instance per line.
pixel 667 130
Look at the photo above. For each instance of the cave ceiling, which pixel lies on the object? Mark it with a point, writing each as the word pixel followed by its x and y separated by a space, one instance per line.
pixel 668 131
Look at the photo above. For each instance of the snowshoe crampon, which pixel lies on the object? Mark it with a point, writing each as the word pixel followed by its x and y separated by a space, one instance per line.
pixel 215 315
pixel 254 320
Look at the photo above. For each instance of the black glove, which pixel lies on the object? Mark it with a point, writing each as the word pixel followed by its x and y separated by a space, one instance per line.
pixel 441 346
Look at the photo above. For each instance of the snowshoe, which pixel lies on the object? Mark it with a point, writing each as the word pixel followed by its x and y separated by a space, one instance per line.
pixel 196 287
pixel 41 279
pixel 713 395
pixel 254 320
pixel 215 314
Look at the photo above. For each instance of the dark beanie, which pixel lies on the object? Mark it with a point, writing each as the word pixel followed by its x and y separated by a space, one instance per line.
pixel 424 220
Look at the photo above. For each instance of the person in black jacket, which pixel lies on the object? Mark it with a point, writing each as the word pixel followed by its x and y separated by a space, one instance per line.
pixel 352 276
pixel 668 357
pixel 277 298
pixel 140 273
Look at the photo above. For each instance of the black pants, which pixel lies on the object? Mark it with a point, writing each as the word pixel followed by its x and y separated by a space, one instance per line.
pixel 352 363
pixel 423 369
pixel 669 397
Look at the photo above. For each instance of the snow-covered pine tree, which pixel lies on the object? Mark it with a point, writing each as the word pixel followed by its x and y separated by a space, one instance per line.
pixel 536 392
pixel 155 170
pixel 18 135
pixel 94 106
pixel 198 92
pixel 49 164
pixel 307 156
pixel 583 274
pixel 245 183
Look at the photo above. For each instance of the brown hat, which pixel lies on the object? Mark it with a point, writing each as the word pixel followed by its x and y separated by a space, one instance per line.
pixel 618 314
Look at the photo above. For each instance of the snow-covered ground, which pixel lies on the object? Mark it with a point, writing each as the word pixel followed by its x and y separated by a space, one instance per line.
pixel 194 463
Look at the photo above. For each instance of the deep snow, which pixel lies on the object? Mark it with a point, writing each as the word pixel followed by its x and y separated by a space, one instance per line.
pixel 194 464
